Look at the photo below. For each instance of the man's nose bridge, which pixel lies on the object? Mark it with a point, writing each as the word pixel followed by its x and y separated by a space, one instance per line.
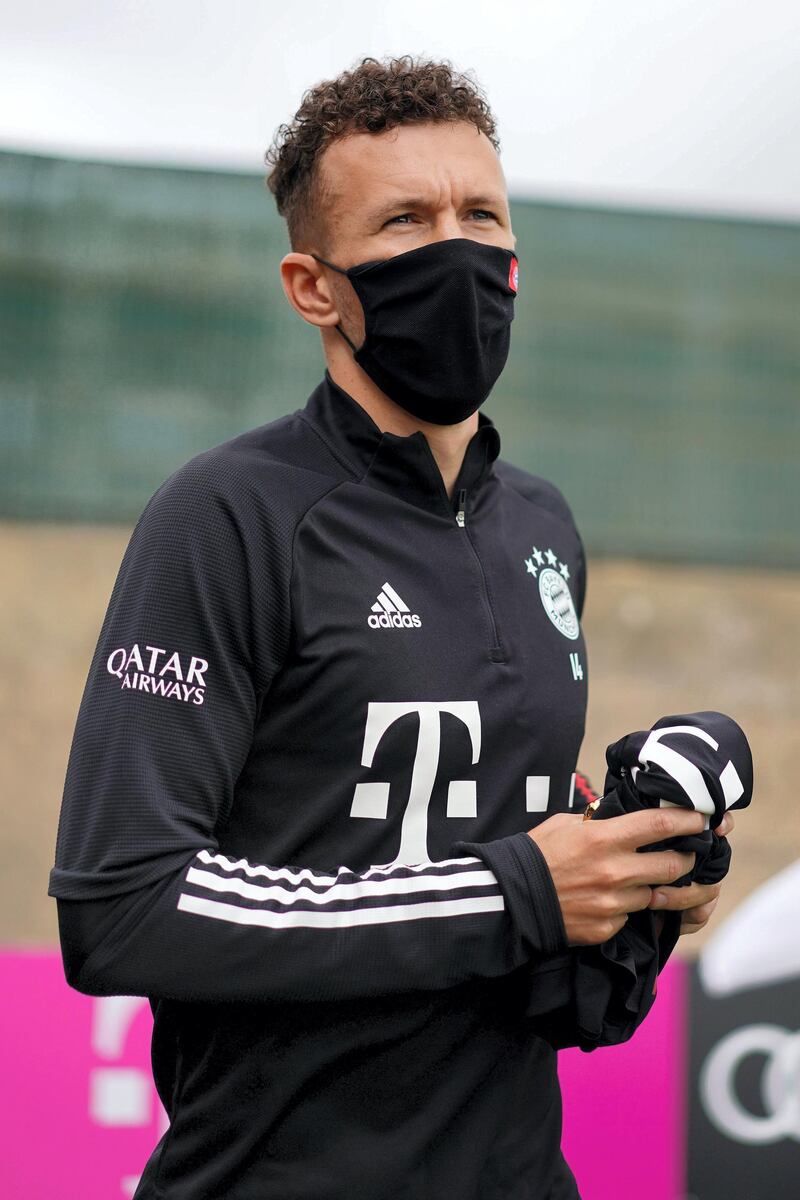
pixel 446 207
pixel 447 225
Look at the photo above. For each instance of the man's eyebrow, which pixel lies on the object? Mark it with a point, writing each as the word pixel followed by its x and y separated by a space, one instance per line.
pixel 410 203
pixel 485 201
pixel 396 206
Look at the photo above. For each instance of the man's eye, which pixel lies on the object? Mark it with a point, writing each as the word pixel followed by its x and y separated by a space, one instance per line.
pixel 403 217
pixel 483 213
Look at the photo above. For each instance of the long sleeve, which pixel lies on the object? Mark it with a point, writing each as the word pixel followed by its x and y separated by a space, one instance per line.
pixel 311 937
pixel 197 627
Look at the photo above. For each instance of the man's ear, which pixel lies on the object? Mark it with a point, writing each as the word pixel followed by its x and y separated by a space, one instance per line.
pixel 307 289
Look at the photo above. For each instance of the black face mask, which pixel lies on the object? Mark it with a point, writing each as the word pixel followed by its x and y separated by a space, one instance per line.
pixel 437 325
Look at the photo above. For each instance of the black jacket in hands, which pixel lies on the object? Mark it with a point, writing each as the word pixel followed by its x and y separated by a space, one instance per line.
pixel 599 995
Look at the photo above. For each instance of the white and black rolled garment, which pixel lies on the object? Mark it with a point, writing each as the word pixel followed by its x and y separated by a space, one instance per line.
pixel 696 760
pixel 599 995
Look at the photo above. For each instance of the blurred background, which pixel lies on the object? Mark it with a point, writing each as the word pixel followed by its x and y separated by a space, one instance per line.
pixel 652 158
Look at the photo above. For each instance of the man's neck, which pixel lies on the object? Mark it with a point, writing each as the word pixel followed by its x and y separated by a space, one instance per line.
pixel 448 443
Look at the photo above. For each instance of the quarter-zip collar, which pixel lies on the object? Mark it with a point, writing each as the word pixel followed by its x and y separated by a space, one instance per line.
pixel 404 466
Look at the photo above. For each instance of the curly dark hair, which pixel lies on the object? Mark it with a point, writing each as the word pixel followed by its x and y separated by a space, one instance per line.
pixel 373 97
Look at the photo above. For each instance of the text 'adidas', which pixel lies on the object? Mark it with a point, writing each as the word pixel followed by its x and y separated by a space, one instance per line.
pixel 390 612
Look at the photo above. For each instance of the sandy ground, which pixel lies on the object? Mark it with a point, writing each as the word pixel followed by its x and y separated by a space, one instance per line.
pixel 662 639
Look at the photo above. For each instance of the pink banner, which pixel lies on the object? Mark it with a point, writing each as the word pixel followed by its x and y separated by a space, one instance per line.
pixel 81 1115
pixel 624 1106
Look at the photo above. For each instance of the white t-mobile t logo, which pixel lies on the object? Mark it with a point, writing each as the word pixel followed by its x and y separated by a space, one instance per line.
pixel 372 799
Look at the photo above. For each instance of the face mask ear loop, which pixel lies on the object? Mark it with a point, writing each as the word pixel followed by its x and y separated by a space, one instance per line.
pixel 333 267
pixel 325 263
pixel 352 345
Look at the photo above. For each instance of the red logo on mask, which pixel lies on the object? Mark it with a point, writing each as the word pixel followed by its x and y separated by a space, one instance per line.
pixel 513 275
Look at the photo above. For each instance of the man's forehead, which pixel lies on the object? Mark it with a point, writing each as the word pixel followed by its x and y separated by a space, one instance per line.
pixel 373 171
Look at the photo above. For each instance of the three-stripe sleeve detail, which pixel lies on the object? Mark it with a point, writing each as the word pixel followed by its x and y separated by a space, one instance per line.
pixel 226 889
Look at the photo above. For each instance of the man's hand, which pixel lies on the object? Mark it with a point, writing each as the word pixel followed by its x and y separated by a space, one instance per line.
pixel 600 877
pixel 697 901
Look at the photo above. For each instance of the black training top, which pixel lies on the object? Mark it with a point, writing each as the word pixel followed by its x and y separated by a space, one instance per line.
pixel 325 705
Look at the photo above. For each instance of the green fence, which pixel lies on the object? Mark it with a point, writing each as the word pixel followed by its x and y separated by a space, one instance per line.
pixel 654 372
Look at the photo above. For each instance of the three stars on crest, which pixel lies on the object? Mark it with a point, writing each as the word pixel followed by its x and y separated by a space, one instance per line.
pixel 536 560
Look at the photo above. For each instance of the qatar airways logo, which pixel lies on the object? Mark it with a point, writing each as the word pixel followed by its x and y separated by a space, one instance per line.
pixel 150 674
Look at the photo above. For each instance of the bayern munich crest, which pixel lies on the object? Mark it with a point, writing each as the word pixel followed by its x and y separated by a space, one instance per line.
pixel 554 591
pixel 513 275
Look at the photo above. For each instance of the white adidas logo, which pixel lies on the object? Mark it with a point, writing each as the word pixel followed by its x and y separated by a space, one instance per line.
pixel 389 611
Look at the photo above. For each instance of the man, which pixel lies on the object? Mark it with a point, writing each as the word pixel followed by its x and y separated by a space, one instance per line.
pixel 318 801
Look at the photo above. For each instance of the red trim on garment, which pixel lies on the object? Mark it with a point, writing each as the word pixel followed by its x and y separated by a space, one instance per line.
pixel 584 788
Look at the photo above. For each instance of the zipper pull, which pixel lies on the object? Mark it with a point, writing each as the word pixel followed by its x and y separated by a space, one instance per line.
pixel 461 515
